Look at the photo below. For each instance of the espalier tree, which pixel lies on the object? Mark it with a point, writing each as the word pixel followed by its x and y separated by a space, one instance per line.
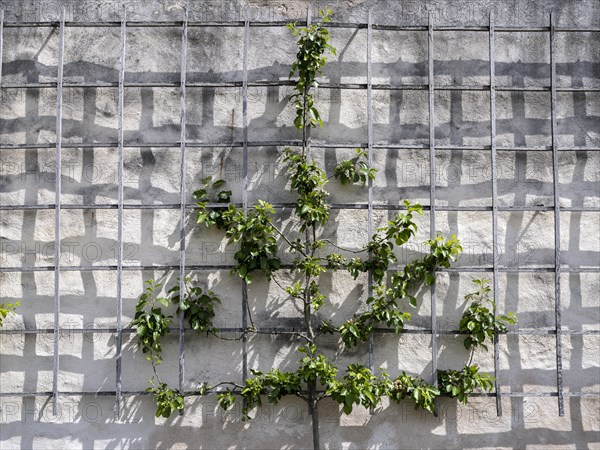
pixel 258 241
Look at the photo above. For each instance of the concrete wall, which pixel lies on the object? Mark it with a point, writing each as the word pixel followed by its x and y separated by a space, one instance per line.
pixel 87 363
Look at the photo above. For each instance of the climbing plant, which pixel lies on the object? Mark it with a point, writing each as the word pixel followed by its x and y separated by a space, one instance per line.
pixel 479 323
pixel 259 242
pixel 151 324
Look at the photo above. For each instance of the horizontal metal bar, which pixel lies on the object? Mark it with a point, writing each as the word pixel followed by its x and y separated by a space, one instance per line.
pixel 316 144
pixel 481 28
pixel 171 267
pixel 337 206
pixel 236 392
pixel 278 83
pixel 282 330
pixel 263 24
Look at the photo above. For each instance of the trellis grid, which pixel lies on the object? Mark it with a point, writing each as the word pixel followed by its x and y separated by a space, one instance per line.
pixel 245 144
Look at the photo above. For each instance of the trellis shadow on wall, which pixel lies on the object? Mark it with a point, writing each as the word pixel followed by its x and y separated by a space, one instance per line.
pixel 463 192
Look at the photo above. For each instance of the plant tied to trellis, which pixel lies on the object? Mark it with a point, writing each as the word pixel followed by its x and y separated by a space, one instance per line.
pixel 258 240
pixel 151 324
pixel 479 323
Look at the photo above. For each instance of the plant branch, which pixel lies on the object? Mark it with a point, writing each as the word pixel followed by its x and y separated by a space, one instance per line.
pixel 361 250
pixel 286 239
pixel 224 383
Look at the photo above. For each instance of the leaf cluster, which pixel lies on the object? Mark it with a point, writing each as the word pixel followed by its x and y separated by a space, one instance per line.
pixel 255 234
pixel 358 387
pixel 198 306
pixel 383 310
pixel 275 384
pixel 253 231
pixel 381 247
pixel 384 304
pixel 307 179
pixel 355 170
pixel 415 388
pixel 150 322
pixel 210 192
pixel 481 323
pixel 7 309
pixel 312 43
pixel 442 253
pixel 462 383
pixel 167 400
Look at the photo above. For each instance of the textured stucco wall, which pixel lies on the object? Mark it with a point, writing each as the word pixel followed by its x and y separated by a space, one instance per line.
pixel 527 362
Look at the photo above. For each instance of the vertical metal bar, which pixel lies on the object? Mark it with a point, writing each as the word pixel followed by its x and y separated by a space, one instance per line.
pixel 432 191
pixel 121 106
pixel 555 180
pixel 245 194
pixel 1 41
pixel 57 203
pixel 182 194
pixel 312 404
pixel 370 160
pixel 494 202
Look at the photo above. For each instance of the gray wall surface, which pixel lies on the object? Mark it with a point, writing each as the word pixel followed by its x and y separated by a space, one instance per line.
pixel 463 180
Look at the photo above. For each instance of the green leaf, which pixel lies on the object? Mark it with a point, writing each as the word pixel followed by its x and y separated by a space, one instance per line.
pixel 218 184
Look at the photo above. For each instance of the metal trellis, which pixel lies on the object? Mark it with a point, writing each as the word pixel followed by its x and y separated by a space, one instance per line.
pixel 246 145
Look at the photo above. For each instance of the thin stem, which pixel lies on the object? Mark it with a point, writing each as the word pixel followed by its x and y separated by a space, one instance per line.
pixel 286 239
pixel 322 396
pixel 361 250
pixel 471 356
pixel 249 316
pixel 304 124
pixel 223 383
pixel 284 289
pixel 295 333
pixel 274 278
pixel 303 397
pixel 154 368
pixel 217 335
